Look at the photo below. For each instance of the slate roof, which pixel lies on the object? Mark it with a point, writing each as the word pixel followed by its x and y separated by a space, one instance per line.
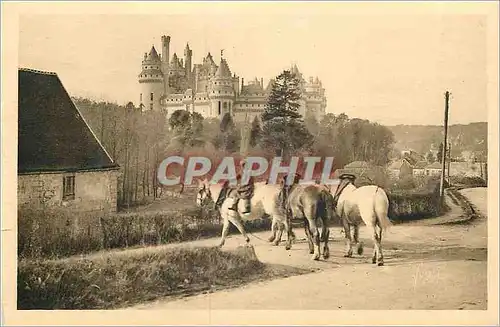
pixel 53 136
pixel 420 165
pixel 223 71
pixel 435 165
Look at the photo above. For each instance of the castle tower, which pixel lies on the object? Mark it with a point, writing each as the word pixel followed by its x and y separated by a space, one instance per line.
pixel 188 56
pixel 151 80
pixel 222 95
pixel 165 59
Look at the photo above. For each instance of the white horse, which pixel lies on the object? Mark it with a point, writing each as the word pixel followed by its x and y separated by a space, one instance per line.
pixel 265 201
pixel 368 204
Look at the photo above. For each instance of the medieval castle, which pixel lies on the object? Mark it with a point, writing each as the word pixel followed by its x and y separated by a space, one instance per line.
pixel 169 84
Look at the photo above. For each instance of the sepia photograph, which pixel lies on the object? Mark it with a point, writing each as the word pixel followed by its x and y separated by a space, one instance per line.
pixel 252 156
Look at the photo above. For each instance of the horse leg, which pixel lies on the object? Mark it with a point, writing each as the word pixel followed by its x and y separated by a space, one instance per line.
pixel 289 233
pixel 325 234
pixel 274 225
pixel 280 234
pixel 225 231
pixel 378 256
pixel 236 220
pixel 348 240
pixel 315 235
pixel 309 236
pixel 359 245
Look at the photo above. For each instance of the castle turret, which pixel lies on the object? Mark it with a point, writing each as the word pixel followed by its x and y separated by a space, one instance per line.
pixel 188 56
pixel 222 96
pixel 165 58
pixel 151 80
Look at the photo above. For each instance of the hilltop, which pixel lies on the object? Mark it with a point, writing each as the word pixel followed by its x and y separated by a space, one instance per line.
pixel 470 137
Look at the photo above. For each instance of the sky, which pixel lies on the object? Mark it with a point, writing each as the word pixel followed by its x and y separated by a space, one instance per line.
pixel 391 69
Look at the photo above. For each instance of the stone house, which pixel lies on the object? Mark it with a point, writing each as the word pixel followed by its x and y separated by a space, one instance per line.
pixel 61 163
pixel 400 168
pixel 434 169
pixel 419 168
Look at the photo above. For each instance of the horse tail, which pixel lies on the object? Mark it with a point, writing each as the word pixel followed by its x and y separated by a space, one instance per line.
pixel 381 208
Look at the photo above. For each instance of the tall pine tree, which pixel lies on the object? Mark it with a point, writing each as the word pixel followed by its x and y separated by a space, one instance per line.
pixel 283 127
pixel 255 132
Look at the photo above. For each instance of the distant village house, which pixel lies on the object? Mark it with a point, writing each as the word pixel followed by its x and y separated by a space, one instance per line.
pixel 400 168
pixel 61 163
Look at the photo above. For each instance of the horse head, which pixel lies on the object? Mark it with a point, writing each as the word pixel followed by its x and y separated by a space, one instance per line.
pixel 345 180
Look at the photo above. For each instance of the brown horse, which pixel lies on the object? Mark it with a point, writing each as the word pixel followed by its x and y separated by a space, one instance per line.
pixel 314 205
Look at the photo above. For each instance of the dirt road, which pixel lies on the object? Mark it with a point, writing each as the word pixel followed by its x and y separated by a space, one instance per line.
pixel 426 267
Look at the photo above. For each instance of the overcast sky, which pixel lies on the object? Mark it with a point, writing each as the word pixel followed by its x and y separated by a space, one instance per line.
pixel 393 69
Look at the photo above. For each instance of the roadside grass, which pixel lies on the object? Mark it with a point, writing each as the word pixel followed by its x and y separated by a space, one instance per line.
pixel 111 281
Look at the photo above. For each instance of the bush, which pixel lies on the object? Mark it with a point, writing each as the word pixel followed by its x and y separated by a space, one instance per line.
pixel 117 281
pixel 421 201
pixel 52 233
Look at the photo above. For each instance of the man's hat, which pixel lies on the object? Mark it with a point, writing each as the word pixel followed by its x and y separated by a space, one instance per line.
pixel 350 177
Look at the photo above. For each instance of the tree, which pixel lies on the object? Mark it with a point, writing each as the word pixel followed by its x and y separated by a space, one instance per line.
pixel 311 122
pixel 255 132
pixel 229 135
pixel 439 155
pixel 187 128
pixel 283 128
pixel 430 157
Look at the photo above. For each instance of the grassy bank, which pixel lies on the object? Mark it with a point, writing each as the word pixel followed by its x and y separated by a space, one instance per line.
pixel 119 281
pixel 59 233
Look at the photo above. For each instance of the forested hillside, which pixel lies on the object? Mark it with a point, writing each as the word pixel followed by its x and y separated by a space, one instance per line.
pixel 470 137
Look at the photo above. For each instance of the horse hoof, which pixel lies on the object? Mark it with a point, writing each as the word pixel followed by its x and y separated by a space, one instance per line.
pixel 380 264
pixel 374 261
pixel 326 255
pixel 288 247
pixel 311 251
pixel 315 257
pixel 271 239
pixel 247 240
pixel 347 255
pixel 276 243
pixel 360 250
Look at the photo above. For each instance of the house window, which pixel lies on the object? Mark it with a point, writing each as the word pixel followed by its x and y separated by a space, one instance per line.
pixel 219 109
pixel 69 187
pixel 150 106
pixel 152 96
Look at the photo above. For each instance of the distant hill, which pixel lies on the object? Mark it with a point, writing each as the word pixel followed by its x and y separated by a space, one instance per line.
pixel 470 137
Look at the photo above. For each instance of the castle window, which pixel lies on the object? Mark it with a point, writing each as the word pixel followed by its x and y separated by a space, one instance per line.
pixel 219 109
pixel 69 187
pixel 152 96
pixel 141 97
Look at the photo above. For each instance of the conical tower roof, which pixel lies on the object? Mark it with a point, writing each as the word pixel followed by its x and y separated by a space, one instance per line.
pixel 153 55
pixel 223 71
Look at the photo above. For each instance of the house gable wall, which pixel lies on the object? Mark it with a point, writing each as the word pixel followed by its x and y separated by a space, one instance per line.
pixel 94 190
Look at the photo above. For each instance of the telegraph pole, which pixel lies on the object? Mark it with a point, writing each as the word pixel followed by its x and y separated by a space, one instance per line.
pixel 445 143
pixel 449 163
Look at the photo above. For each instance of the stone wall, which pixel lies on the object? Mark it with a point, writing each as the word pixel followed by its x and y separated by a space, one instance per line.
pixel 95 190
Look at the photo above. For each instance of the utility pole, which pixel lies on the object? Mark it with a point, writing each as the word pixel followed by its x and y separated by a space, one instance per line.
pixel 445 143
pixel 449 162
